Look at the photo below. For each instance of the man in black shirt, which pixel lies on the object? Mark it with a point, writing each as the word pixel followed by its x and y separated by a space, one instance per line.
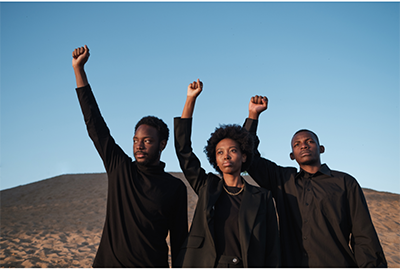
pixel 144 202
pixel 323 215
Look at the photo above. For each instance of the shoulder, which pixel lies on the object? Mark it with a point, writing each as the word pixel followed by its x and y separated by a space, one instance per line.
pixel 285 169
pixel 347 179
pixel 339 174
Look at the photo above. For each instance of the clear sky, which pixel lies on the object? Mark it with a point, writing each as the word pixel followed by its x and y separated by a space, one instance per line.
pixel 329 67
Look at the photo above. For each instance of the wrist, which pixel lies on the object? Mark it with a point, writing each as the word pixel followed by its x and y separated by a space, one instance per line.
pixel 254 115
pixel 191 98
pixel 78 67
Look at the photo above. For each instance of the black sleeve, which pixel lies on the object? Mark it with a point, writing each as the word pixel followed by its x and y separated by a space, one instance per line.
pixel 109 151
pixel 190 164
pixel 263 171
pixel 364 240
pixel 179 224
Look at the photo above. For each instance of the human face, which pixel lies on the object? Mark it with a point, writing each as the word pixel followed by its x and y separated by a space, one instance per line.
pixel 306 150
pixel 229 157
pixel 146 146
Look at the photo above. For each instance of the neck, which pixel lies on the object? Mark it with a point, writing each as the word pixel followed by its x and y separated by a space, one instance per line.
pixel 233 180
pixel 310 168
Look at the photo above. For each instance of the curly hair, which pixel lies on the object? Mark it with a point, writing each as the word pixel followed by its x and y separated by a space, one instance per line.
pixel 157 123
pixel 236 133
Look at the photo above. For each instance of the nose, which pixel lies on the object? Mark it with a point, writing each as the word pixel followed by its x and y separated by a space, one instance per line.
pixel 139 145
pixel 227 156
pixel 304 145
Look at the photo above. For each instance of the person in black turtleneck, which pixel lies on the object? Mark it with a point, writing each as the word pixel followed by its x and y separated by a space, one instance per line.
pixel 235 223
pixel 144 202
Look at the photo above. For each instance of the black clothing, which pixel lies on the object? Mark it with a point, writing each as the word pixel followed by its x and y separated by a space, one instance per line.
pixel 257 224
pixel 319 215
pixel 229 262
pixel 226 225
pixel 143 204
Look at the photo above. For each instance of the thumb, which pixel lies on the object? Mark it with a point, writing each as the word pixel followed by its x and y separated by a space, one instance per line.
pixel 86 51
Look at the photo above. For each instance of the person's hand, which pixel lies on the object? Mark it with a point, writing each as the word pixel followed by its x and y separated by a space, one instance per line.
pixel 194 89
pixel 257 105
pixel 80 57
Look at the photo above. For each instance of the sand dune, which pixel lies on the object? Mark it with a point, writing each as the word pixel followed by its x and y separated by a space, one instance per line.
pixel 58 222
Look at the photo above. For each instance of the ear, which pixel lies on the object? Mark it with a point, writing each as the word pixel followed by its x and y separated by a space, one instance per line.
pixel 321 149
pixel 244 158
pixel 291 156
pixel 163 144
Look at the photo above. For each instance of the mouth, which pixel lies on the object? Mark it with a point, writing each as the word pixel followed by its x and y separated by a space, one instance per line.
pixel 140 155
pixel 305 153
pixel 227 164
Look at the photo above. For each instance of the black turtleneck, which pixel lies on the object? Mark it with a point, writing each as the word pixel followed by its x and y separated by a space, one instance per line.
pixel 144 202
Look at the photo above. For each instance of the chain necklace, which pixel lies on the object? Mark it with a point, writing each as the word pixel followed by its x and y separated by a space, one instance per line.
pixel 233 194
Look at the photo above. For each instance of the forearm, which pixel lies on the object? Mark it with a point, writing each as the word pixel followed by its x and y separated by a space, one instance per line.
pixel 97 128
pixel 80 76
pixel 188 161
pixel 254 115
pixel 365 243
pixel 188 109
pixel 251 125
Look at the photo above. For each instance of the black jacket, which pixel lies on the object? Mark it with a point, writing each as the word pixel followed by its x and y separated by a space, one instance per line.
pixel 259 237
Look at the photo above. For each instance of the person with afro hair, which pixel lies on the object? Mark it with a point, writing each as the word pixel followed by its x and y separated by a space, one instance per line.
pixel 235 223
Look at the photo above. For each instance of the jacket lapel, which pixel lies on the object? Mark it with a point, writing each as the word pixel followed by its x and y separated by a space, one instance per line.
pixel 212 199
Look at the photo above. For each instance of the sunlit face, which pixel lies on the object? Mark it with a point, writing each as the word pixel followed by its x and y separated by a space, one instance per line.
pixel 305 149
pixel 229 157
pixel 146 146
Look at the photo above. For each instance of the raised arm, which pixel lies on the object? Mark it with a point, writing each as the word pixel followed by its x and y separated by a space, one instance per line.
pixel 79 58
pixel 98 131
pixel 188 161
pixel 261 170
pixel 194 90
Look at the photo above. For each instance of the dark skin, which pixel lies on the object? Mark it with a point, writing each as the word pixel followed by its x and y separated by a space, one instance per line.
pixel 305 147
pixel 228 155
pixel 147 146
pixel 306 151
pixel 79 58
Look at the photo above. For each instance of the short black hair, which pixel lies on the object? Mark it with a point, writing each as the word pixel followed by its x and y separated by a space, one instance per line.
pixel 306 130
pixel 157 123
pixel 236 133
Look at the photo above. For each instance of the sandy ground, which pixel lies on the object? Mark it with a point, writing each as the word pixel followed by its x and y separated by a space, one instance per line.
pixel 58 222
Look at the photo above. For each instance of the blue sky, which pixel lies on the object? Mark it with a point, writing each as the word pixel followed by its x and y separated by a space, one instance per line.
pixel 329 67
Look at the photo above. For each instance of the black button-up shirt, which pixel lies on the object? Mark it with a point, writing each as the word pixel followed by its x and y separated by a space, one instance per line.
pixel 324 218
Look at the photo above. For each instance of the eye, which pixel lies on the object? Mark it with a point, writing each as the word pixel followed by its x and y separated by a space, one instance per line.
pixel 147 141
pixel 219 152
pixel 233 150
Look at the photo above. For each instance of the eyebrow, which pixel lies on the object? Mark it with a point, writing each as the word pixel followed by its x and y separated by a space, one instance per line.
pixel 228 148
pixel 306 139
pixel 147 137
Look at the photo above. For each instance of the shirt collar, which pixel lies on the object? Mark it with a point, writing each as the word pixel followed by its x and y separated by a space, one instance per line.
pixel 324 169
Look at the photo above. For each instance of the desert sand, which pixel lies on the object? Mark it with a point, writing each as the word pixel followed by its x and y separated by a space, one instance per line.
pixel 58 222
